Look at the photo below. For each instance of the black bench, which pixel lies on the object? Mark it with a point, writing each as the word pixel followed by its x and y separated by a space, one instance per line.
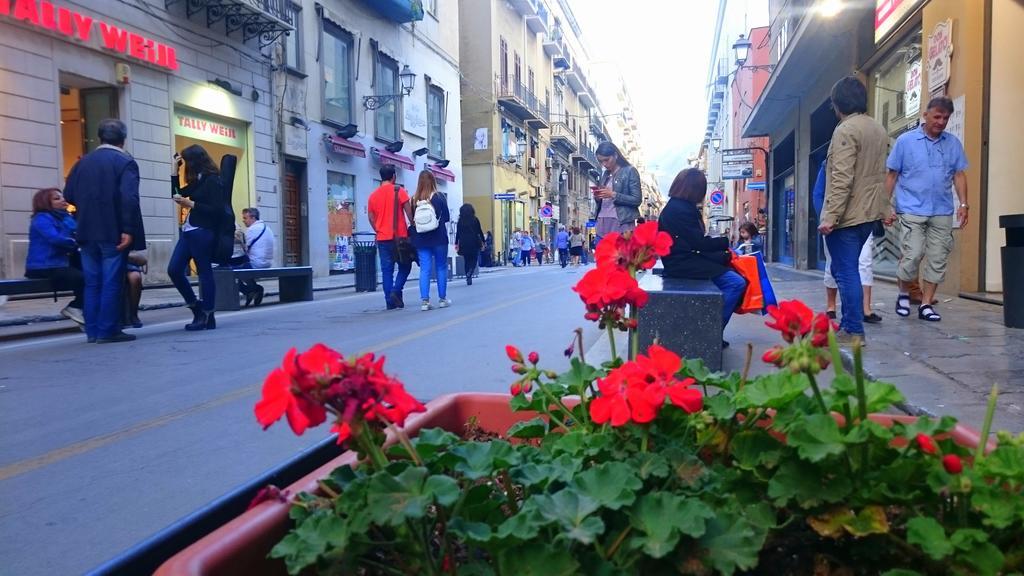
pixel 295 284
pixel 684 315
pixel 20 286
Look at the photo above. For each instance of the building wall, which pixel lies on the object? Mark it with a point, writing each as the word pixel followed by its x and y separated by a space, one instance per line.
pixel 1004 137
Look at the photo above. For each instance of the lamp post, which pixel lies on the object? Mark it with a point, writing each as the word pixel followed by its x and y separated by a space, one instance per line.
pixel 407 80
pixel 742 49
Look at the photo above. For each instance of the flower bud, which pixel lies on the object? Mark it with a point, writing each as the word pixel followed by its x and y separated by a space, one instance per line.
pixel 926 444
pixel 513 353
pixel 518 369
pixel 952 464
pixel 551 374
pixel 527 386
pixel 773 355
pixel 516 389
pixel 533 358
pixel 592 316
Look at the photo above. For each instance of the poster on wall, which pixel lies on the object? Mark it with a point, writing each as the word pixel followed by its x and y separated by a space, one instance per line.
pixel 912 90
pixel 940 52
pixel 414 116
pixel 340 220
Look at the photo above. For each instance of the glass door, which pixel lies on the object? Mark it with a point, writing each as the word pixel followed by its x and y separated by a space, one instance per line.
pixel 785 217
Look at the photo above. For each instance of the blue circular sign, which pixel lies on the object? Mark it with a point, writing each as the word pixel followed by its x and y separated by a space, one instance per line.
pixel 717 197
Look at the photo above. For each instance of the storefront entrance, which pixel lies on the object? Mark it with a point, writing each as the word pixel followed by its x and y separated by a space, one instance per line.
pixel 292 213
pixel 218 136
pixel 83 105
pixel 783 200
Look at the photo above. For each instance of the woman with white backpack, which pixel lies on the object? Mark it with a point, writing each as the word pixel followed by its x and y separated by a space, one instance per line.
pixel 430 214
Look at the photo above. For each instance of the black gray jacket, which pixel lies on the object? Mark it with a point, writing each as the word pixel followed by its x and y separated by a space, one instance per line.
pixel 626 185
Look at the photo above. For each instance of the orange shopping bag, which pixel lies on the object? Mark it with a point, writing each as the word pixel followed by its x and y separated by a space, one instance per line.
pixel 753 297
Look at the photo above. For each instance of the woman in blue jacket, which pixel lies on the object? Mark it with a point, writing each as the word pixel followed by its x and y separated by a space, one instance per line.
pixel 51 242
pixel 431 239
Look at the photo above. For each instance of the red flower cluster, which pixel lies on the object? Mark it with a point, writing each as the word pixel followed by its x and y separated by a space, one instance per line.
pixel 636 250
pixel 796 320
pixel 606 291
pixel 636 391
pixel 308 385
pixel 951 462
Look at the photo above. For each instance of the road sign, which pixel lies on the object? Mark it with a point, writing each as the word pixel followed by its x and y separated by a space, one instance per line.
pixel 504 195
pixel 717 197
pixel 546 211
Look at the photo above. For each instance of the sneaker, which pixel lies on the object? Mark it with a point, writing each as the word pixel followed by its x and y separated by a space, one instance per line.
pixel 425 306
pixel 444 303
pixel 73 314
pixel 119 337
pixel 846 338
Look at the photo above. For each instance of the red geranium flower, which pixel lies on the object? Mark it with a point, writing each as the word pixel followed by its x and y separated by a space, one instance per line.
pixel 649 243
pixel 820 327
pixel 636 391
pixel 792 317
pixel 279 400
pixel 952 464
pixel 926 444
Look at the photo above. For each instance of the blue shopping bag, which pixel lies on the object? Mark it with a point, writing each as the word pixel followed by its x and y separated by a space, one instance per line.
pixel 766 284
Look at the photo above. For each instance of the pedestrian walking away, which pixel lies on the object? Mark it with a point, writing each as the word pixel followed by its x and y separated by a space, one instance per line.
pixel 923 165
pixel 620 188
pixel 203 196
pixel 514 247
pixel 431 239
pixel 53 251
pixel 694 254
pixel 540 249
pixel 390 211
pixel 104 188
pixel 576 245
pixel 562 245
pixel 469 240
pixel 854 200
pixel 526 248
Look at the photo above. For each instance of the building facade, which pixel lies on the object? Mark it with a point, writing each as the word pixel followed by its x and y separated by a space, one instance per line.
pixel 905 52
pixel 176 74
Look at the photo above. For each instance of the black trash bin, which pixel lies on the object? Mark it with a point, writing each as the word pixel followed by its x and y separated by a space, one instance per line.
pixel 1013 272
pixel 364 247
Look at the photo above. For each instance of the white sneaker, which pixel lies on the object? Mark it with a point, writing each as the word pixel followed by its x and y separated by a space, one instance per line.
pixel 444 303
pixel 73 314
pixel 425 306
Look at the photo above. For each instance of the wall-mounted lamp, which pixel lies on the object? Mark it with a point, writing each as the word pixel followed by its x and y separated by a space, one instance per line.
pixel 221 83
pixel 742 49
pixel 298 122
pixel 421 151
pixel 407 79
pixel 395 147
pixel 442 163
pixel 348 130
pixel 716 143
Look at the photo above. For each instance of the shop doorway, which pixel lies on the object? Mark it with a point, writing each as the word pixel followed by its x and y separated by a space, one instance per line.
pixel 783 216
pixel 218 136
pixel 292 213
pixel 823 124
pixel 84 104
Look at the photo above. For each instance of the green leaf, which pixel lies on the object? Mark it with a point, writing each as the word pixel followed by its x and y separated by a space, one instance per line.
pixel 571 510
pixel 470 531
pixel 755 448
pixel 732 543
pixel 1006 461
pixel 1000 507
pixel 863 431
pixel 612 484
pixel 720 406
pixel 694 368
pixel 537 560
pixel 881 395
pixel 525 524
pixel 430 441
pixel 807 484
pixel 304 545
pixel 560 469
pixel 577 377
pixel 977 551
pixel 649 465
pixel 772 390
pixel 816 437
pixel 527 403
pixel 843 385
pixel 927 534
pixel 663 517
pixel 475 568
pixel 480 459
pixel 578 443
pixel 390 500
pixel 532 428
pixel 444 489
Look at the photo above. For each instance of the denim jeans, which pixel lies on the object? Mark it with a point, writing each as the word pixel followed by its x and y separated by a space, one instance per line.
pixel 195 245
pixel 844 244
pixel 433 258
pixel 246 287
pixel 391 282
pixel 563 257
pixel 732 286
pixel 103 267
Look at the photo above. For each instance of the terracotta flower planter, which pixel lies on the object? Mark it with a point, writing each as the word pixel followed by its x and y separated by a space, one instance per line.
pixel 241 546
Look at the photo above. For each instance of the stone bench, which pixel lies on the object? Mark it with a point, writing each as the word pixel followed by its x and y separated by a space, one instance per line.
pixel 684 315
pixel 22 286
pixel 295 284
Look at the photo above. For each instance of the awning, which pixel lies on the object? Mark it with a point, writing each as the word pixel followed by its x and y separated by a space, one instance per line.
pixel 340 145
pixel 442 173
pixel 755 185
pixel 385 157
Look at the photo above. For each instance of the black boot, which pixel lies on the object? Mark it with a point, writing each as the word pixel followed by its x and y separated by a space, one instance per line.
pixel 204 321
pixel 197 310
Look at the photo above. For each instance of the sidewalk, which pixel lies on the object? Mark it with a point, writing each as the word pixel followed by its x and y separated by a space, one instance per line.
pixel 44 310
pixel 945 367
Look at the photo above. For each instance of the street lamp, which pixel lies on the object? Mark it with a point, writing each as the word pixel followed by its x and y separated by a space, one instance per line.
pixel 742 50
pixel 407 80
pixel 716 143
pixel 521 147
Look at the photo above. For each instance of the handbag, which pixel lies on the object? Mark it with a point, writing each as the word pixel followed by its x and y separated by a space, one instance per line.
pixel 767 290
pixel 402 249
pixel 753 297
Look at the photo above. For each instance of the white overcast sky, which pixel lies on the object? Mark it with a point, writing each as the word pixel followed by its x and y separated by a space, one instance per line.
pixel 662 49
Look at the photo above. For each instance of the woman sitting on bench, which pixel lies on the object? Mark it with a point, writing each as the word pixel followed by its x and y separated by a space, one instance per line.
pixel 51 246
pixel 695 255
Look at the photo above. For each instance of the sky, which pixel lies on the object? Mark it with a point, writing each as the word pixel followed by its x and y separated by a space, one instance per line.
pixel 661 48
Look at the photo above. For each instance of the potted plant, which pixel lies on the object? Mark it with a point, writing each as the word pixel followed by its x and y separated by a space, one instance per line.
pixel 647 465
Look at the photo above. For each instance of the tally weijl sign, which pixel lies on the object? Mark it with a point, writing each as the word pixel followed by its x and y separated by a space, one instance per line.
pixel 86 29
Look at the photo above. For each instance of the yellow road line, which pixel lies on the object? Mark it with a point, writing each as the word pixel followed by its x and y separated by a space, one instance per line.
pixel 77 448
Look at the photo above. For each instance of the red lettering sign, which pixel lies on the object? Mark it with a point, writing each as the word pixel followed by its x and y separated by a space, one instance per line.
pixel 66 22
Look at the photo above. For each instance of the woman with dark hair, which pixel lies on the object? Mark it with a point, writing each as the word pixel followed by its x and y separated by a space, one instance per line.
pixel 750 239
pixel 693 254
pixel 203 195
pixel 618 197
pixel 51 243
pixel 469 240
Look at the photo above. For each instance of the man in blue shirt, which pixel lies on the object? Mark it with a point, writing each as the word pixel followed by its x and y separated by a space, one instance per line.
pixel 923 165
pixel 562 243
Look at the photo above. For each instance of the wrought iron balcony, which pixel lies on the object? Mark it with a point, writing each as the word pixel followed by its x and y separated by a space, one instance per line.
pixel 574 76
pixel 562 137
pixel 266 20
pixel 587 159
pixel 521 102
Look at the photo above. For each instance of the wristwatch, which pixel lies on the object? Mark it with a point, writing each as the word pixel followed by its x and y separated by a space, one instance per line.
pixel 962 205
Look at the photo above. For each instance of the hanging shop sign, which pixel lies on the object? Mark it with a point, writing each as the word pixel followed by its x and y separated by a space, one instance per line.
pixel 891 13
pixel 82 28
pixel 940 54
pixel 414 117
pixel 912 89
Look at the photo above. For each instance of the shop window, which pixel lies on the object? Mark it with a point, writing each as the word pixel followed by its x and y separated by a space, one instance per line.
pixel 435 120
pixel 387 83
pixel 503 63
pixel 337 74
pixel 341 219
pixel 83 104
pixel 293 41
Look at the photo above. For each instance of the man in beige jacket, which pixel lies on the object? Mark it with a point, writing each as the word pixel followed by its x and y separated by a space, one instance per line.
pixel 855 196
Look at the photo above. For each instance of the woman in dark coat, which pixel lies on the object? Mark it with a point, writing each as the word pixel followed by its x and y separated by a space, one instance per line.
pixel 469 240
pixel 51 244
pixel 695 255
pixel 203 194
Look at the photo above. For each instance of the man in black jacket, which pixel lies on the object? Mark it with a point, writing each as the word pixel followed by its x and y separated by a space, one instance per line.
pixel 104 187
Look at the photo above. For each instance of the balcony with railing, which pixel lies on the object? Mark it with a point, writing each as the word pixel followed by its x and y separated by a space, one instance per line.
pixel 554 43
pixel 266 20
pixel 562 137
pixel 586 158
pixel 520 101
pixel 586 98
pixel 574 76
pixel 538 21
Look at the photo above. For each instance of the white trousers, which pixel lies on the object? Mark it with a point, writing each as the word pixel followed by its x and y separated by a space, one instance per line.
pixel 867 278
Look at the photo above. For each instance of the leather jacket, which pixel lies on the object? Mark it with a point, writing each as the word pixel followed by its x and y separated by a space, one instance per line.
pixel 626 185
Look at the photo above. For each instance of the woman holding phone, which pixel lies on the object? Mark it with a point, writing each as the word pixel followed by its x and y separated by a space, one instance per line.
pixel 618 197
pixel 203 195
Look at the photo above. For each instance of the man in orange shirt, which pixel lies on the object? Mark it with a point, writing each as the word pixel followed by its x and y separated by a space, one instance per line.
pixel 385 200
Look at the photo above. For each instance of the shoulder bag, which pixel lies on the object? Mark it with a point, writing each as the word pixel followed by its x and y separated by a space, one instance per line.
pixel 402 249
